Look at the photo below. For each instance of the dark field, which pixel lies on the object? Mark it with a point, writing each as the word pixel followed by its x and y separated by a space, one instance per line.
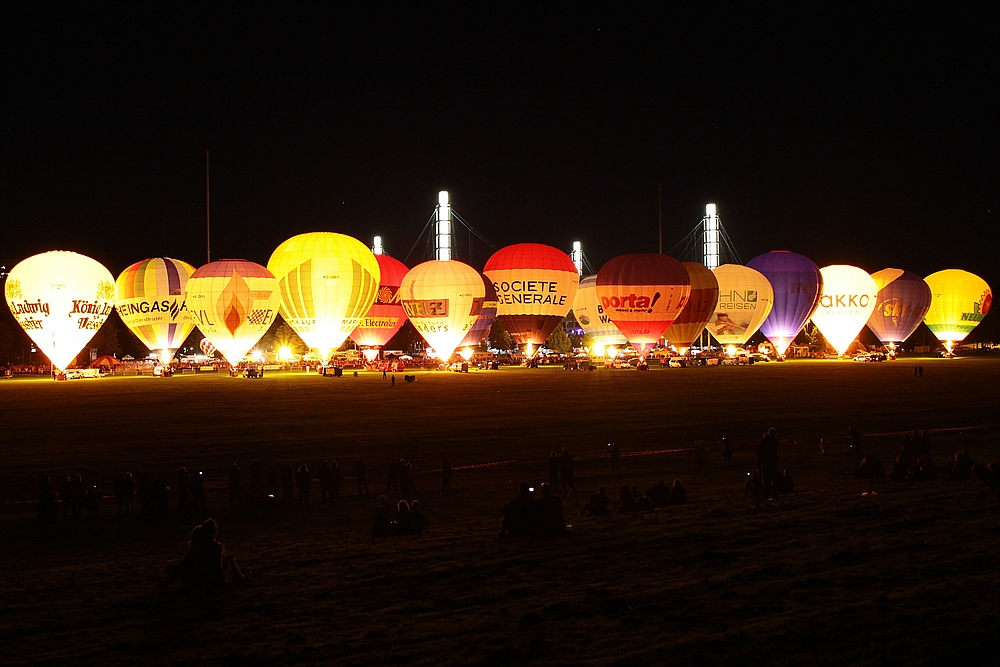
pixel 829 575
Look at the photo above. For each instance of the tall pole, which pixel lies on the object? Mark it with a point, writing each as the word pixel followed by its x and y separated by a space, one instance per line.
pixel 660 200
pixel 208 217
pixel 442 231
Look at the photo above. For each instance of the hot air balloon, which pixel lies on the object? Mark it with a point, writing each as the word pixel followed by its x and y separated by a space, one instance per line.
pixel 150 300
pixel 327 283
pixel 959 301
pixel 797 286
pixel 745 299
pixel 443 298
pixel 589 312
pixel 60 299
pixel 206 347
pixel 535 287
pixel 643 294
pixel 233 302
pixel 487 315
pixel 385 317
pixel 848 300
pixel 700 308
pixel 902 301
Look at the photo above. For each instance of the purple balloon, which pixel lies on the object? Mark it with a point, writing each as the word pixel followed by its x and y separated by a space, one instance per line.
pixel 797 285
pixel 481 327
pixel 903 300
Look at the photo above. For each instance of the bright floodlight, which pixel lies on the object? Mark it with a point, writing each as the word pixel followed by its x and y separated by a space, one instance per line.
pixel 442 240
pixel 466 353
pixel 711 237
pixel 377 246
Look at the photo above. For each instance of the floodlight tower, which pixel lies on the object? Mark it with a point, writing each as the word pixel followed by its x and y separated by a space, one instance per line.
pixel 711 243
pixel 577 256
pixel 442 227
pixel 377 248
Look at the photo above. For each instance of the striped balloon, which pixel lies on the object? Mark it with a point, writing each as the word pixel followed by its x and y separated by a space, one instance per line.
pixel 149 296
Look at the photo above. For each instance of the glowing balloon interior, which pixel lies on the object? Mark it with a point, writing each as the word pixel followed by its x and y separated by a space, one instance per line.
pixel 327 283
pixel 443 299
pixel 848 300
pixel 535 286
pixel 902 302
pixel 745 300
pixel 700 308
pixel 589 312
pixel 233 302
pixel 797 285
pixel 386 316
pixel 149 296
pixel 60 299
pixel 959 302
pixel 643 294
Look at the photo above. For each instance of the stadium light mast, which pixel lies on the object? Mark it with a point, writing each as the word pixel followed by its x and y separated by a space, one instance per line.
pixel 577 256
pixel 711 243
pixel 442 227
pixel 377 248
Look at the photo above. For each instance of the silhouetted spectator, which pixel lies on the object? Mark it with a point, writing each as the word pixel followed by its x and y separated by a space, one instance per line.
pixel 598 504
pixel 767 463
pixel 183 491
pixel 727 451
pixel 445 477
pixel 392 476
pixel 988 475
pixel 787 482
pixel 235 487
pixel 643 503
pixel 287 481
pixel 616 468
pixel 550 512
pixel 899 470
pixel 198 496
pixel 871 468
pixel 678 494
pixel 961 467
pixel 303 479
pixel 403 525
pixel 752 487
pixel 91 500
pixel 205 564
pixel 420 521
pixel 335 479
pixel 659 494
pixel 553 469
pixel 381 524
pixel 361 475
pixel 855 436
pixel 566 470
pixel 520 516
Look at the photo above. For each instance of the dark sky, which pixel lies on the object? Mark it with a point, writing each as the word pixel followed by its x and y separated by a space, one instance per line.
pixel 863 135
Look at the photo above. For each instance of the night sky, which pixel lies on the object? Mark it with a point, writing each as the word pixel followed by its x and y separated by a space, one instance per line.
pixel 862 135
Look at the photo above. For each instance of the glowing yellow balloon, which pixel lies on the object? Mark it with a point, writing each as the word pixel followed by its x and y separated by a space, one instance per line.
pixel 60 299
pixel 848 299
pixel 150 300
pixel 443 300
pixel 327 283
pixel 233 302
pixel 745 301
pixel 959 301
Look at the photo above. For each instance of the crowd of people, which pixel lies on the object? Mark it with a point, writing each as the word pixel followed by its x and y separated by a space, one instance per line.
pixel 408 519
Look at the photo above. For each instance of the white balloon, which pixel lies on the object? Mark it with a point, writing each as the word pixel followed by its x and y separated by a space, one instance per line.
pixel 848 300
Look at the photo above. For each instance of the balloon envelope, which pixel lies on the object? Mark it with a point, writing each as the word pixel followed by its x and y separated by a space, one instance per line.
pixel 959 301
pixel 535 286
pixel 149 296
pixel 207 347
pixel 745 300
pixel 233 302
pixel 443 298
pixel 385 317
pixel 643 293
pixel 797 286
pixel 590 314
pixel 60 299
pixel 848 299
pixel 327 283
pixel 902 301
pixel 487 315
pixel 700 308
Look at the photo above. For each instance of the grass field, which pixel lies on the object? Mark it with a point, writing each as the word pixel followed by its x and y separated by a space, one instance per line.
pixel 829 575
